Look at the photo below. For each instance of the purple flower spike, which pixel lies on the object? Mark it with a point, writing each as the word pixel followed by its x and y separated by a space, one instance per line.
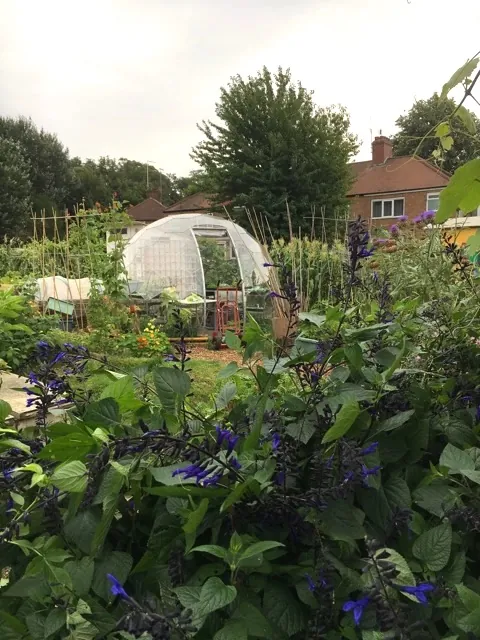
pixel 427 215
pixel 275 441
pixel 394 229
pixel 274 294
pixel 418 591
pixel 116 588
pixel 311 583
pixel 358 607
pixel 370 449
pixel 417 219
pixel 403 218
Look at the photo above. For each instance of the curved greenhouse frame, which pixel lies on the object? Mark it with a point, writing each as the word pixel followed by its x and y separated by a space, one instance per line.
pixel 166 254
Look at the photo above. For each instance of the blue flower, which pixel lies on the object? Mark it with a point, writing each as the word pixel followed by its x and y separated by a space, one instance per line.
pixel 224 435
pixel 42 345
pixel 234 463
pixel 60 356
pixel 170 358
pixel 212 480
pixel 419 591
pixel 10 506
pixel 370 449
pixel 348 476
pixel 366 472
pixel 116 588
pixel 357 606
pixel 365 253
pixel 268 264
pixel 8 474
pixel 279 478
pixel 311 583
pixel 274 294
pixel 32 378
pixel 275 441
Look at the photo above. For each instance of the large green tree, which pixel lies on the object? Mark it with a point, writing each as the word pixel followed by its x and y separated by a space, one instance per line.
pixel 48 160
pixel 15 188
pixel 416 133
pixel 273 145
pixel 130 180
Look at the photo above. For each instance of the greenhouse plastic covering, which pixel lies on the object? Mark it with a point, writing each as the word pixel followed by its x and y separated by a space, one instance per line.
pixel 166 254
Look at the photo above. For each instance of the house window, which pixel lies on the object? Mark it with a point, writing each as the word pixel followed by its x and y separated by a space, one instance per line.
pixel 433 201
pixel 388 208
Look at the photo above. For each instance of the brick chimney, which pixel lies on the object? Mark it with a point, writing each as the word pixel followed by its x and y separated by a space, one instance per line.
pixel 382 149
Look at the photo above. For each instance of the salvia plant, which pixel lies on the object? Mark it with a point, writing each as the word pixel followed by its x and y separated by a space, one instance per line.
pixel 348 507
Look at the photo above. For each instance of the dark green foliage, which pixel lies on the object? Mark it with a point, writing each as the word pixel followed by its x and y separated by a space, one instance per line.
pixel 48 162
pixel 273 145
pixel 218 267
pixel 15 188
pixel 421 122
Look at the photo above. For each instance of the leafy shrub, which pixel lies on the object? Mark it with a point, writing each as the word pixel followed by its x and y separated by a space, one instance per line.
pixel 344 504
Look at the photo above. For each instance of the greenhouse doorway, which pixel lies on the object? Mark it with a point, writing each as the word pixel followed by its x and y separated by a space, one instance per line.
pixel 224 286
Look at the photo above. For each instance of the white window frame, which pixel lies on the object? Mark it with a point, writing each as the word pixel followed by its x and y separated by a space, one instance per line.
pixel 433 194
pixel 383 200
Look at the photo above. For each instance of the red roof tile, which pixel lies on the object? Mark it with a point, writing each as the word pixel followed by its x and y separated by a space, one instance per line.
pixel 404 173
pixel 196 202
pixel 147 211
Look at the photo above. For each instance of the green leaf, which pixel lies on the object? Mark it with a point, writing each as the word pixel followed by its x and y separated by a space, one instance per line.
pixel 213 596
pixel 466 117
pixel 436 498
pixel 397 493
pixel 172 386
pixel 461 74
pixel 196 517
pixel 81 529
pixel 456 460
pixel 455 570
pixel 72 447
pixel 232 631
pixel 36 626
pixel 395 421
pixel 294 403
pixel 386 375
pixel 343 422
pixel 226 395
pixel 188 596
pixel 283 609
pixel 71 477
pixel 123 392
pixel 5 410
pixel 104 413
pixel 433 547
pixel 81 573
pixel 342 521
pixel 240 489
pixel 114 481
pixel 11 443
pixel 164 475
pixel 56 619
pixel 232 341
pixel 302 430
pixel 229 370
pixel 462 191
pixel 314 318
pixel 212 549
pixel 405 576
pixel 354 355
pixel 259 547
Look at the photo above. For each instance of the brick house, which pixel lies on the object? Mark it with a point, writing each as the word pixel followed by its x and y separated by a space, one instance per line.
pixel 386 187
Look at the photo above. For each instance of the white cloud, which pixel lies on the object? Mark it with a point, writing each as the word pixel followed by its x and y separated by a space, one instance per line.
pixel 132 78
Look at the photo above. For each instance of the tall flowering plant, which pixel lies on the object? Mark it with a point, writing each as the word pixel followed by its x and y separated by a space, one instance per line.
pixel 346 508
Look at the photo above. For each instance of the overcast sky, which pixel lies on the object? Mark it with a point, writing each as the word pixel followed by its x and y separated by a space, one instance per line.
pixel 132 78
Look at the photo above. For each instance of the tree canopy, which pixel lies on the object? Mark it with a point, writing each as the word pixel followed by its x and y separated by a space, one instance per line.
pixel 273 145
pixel 48 161
pixel 15 188
pixel 416 133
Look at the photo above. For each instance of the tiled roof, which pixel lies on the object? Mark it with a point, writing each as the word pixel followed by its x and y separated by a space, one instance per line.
pixel 404 173
pixel 147 211
pixel 196 202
